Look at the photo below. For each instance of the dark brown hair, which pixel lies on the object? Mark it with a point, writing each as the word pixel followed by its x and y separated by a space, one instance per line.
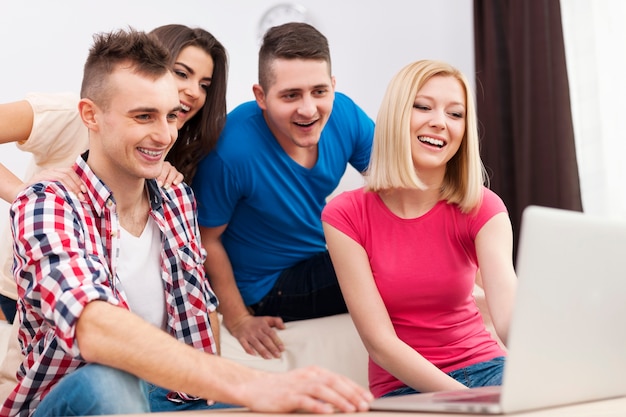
pixel 290 41
pixel 199 135
pixel 139 50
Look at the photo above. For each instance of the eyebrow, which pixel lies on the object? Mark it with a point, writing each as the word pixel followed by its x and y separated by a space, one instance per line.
pixel 295 90
pixel 423 96
pixel 190 70
pixel 152 109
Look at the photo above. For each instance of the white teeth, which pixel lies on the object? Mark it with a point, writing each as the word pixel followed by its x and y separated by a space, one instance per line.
pixel 184 107
pixel 432 141
pixel 151 153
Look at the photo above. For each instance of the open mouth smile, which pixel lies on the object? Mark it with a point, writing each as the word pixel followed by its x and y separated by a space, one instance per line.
pixel 431 141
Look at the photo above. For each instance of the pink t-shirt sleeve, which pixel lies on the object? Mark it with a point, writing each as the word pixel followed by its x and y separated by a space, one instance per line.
pixel 491 205
pixel 342 213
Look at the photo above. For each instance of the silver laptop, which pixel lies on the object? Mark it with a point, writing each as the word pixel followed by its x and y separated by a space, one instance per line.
pixel 567 340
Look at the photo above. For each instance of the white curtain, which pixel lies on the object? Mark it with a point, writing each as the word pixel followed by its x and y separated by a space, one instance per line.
pixel 595 47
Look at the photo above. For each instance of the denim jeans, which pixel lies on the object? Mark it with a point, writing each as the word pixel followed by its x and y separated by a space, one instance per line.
pixel 9 307
pixel 97 390
pixel 307 290
pixel 159 402
pixel 481 374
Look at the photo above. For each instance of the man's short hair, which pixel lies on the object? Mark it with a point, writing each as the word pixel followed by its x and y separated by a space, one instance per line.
pixel 291 41
pixel 135 49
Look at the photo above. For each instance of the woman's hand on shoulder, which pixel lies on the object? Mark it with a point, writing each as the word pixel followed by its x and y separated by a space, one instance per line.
pixel 66 176
pixel 169 176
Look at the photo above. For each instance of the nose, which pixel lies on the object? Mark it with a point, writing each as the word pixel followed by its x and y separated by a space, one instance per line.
pixel 307 107
pixel 192 89
pixel 438 119
pixel 165 131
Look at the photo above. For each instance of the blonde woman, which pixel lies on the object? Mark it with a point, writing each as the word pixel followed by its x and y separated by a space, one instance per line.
pixel 408 245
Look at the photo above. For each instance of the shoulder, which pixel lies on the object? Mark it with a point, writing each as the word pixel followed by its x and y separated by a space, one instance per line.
pixel 242 112
pixel 347 202
pixel 245 123
pixel 344 104
pixel 179 195
pixel 58 133
pixel 348 120
pixel 43 201
pixel 492 202
pixel 491 205
pixel 177 201
pixel 57 102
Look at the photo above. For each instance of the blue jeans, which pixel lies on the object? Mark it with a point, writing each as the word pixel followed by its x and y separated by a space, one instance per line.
pixel 97 390
pixel 9 307
pixel 481 374
pixel 307 290
pixel 159 402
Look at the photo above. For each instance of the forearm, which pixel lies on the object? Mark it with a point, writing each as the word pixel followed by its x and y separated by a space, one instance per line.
pixel 115 337
pixel 16 123
pixel 222 279
pixel 500 303
pixel 10 185
pixel 494 246
pixel 409 366
pixel 215 328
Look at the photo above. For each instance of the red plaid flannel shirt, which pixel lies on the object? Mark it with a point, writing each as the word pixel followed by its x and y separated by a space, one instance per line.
pixel 66 253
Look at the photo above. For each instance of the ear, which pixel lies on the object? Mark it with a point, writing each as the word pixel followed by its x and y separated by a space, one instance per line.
pixel 259 95
pixel 87 110
pixel 333 81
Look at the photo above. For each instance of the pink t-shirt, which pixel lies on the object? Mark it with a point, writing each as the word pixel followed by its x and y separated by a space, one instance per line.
pixel 425 270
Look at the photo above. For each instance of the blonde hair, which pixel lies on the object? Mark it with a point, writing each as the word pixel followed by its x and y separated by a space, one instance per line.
pixel 391 163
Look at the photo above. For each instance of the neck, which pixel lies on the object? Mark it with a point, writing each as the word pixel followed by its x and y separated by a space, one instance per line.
pixel 302 154
pixel 307 157
pixel 133 205
pixel 133 208
pixel 411 203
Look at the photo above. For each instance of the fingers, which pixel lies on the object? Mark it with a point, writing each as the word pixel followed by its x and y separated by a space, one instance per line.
pixel 275 322
pixel 66 176
pixel 338 391
pixel 169 176
pixel 257 336
pixel 264 342
pixel 311 389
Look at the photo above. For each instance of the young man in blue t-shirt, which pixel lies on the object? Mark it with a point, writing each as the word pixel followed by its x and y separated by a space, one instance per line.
pixel 262 190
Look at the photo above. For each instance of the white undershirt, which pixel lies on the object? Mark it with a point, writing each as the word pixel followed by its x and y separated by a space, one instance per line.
pixel 139 270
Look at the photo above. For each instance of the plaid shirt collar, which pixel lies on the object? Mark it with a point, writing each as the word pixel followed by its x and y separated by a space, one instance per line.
pixel 99 193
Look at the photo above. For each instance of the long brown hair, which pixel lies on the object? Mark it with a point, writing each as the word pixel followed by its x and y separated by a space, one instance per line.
pixel 199 135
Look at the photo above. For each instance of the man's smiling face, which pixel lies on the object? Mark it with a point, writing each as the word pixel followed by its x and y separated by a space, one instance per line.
pixel 299 102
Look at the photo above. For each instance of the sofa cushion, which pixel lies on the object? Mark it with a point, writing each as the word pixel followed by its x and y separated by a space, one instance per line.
pixel 329 342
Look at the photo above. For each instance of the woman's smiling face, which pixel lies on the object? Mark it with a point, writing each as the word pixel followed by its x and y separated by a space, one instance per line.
pixel 437 122
pixel 193 71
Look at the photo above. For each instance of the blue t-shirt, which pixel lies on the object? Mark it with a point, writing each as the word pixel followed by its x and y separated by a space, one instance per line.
pixel 273 205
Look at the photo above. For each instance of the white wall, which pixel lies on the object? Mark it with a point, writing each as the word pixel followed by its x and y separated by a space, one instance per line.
pixel 43 43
